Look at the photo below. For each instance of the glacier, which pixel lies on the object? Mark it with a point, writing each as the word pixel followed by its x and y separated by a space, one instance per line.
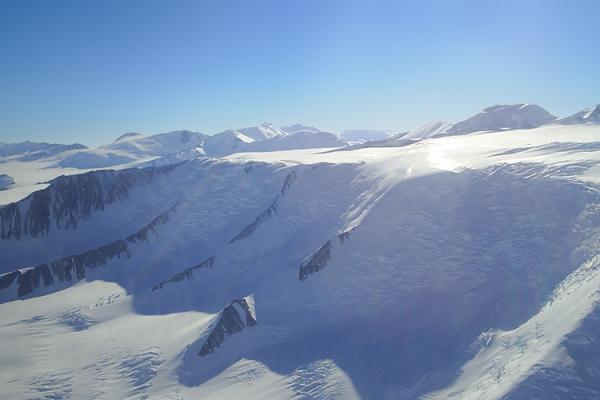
pixel 447 264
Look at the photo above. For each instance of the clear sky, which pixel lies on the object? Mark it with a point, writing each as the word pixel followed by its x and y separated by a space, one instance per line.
pixel 88 71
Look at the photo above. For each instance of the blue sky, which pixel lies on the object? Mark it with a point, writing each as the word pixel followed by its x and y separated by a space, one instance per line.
pixel 88 71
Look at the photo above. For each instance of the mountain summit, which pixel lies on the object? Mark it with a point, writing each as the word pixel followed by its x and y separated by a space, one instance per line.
pixel 501 117
pixel 587 115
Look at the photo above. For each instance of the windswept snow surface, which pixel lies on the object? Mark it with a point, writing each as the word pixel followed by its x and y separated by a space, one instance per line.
pixel 428 130
pixel 459 267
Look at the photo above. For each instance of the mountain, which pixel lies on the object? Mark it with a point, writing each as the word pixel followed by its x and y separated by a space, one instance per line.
pixel 364 135
pixel 501 117
pixel 239 141
pixel 588 115
pixel 155 145
pixel 6 181
pixel 263 132
pixel 494 118
pixel 463 266
pixel 226 142
pixel 133 147
pixel 31 151
pixel 291 129
pixel 428 130
pixel 298 140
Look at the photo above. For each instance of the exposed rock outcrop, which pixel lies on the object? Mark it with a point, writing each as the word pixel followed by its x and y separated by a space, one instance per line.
pixel 238 315
pixel 71 199
pixel 319 259
pixel 6 182
pixel 75 267
pixel 188 273
pixel 269 212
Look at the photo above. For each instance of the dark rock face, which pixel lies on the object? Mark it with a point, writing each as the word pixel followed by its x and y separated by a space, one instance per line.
pixel 317 262
pixel 70 199
pixel 74 268
pixel 269 212
pixel 321 257
pixel 7 279
pixel 10 222
pixel 232 319
pixel 262 217
pixel 186 274
pixel 287 183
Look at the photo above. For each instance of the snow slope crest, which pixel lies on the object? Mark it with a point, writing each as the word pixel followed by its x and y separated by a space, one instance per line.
pixel 501 117
pixel 588 115
pixel 264 131
pixel 427 130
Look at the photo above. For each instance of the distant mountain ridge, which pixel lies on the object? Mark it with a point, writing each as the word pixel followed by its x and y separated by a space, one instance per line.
pixel 132 148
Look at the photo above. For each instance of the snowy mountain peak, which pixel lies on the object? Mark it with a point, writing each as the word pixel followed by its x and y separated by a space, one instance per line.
pixel 264 131
pixel 295 128
pixel 501 117
pixel 428 130
pixel 127 135
pixel 587 115
pixel 364 135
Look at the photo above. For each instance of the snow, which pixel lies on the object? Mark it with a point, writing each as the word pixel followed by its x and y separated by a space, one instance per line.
pixel 6 181
pixel 29 151
pixel 515 116
pixel 428 130
pixel 456 266
pixel 508 358
pixel 588 115
pixel 263 132
pixel 130 148
pixel 291 129
pixel 364 135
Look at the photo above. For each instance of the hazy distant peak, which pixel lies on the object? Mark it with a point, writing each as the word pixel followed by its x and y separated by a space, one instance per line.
pixel 295 128
pixel 427 130
pixel 128 135
pixel 266 130
pixel 503 116
pixel 587 115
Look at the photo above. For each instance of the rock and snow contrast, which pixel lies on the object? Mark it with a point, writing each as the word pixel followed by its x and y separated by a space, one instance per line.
pixel 457 263
pixel 6 181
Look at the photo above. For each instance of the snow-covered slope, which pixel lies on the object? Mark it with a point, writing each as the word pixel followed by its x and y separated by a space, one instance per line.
pixel 428 130
pixel 499 117
pixel 295 128
pixel 226 142
pixel 298 140
pixel 130 148
pixel 31 151
pixel 230 142
pixel 262 132
pixel 588 115
pixel 494 118
pixel 364 135
pixel 462 266
pixel 34 164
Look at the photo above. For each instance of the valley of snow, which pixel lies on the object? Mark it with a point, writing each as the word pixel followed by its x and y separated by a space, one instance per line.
pixel 458 266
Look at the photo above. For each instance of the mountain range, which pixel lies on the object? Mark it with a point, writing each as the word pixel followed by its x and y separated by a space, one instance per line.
pixel 454 261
